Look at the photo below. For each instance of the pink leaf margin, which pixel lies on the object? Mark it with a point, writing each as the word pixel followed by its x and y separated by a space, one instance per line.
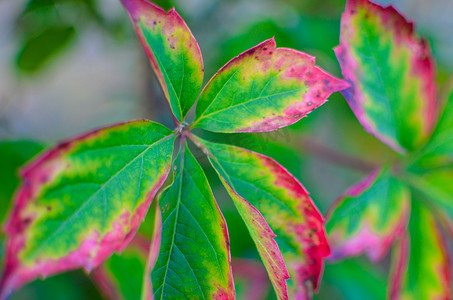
pixel 266 244
pixel 422 65
pixel 302 68
pixel 92 251
pixel 366 241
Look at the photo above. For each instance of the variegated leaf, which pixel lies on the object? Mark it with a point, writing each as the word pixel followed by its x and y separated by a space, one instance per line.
pixel 173 52
pixel 368 217
pixel 263 89
pixel 421 262
pixel 266 193
pixel 84 199
pixel 391 72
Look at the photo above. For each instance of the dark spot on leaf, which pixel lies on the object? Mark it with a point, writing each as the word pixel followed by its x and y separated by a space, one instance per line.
pixel 265 48
pixel 326 81
pixel 163 209
pixel 317 96
pixel 154 23
pixel 297 116
pixel 172 47
pixel 49 208
pixel 167 206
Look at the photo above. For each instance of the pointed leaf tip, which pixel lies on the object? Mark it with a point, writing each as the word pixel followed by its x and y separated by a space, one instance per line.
pixel 392 75
pixel 263 89
pixel 173 52
pixel 73 209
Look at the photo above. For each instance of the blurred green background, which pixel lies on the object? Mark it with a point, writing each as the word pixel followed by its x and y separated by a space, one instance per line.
pixel 69 66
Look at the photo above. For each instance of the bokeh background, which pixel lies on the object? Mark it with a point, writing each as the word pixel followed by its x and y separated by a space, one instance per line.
pixel 69 66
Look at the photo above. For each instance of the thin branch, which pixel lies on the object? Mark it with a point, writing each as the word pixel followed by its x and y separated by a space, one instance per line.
pixel 325 153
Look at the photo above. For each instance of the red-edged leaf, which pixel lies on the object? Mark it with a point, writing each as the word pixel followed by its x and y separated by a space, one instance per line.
pixel 368 217
pixel 421 262
pixel 263 236
pixel 266 193
pixel 263 89
pixel 84 199
pixel 391 72
pixel 173 52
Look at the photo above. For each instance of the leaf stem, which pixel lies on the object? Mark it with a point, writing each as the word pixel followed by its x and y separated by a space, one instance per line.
pixel 330 155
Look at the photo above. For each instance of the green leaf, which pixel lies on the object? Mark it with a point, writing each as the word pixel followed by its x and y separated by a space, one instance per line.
pixel 194 257
pixel 173 52
pixel 266 193
pixel 369 216
pixel 38 49
pixel 84 199
pixel 263 89
pixel 420 262
pixel 392 75
pixel 436 186
pixel 13 154
pixel 439 151
pixel 122 275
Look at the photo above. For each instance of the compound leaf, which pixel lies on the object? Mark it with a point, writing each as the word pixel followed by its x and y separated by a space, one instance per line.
pixel 391 72
pixel 266 193
pixel 263 89
pixel 173 52
pixel 194 257
pixel 84 199
pixel 420 262
pixel 368 217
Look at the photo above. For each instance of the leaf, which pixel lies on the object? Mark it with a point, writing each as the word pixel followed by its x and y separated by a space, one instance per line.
pixel 263 236
pixel 263 89
pixel 420 262
pixel 439 150
pixel 38 49
pixel 194 257
pixel 84 199
pixel 173 52
pixel 369 216
pixel 266 193
pixel 391 72
pixel 436 186
pixel 121 276
pixel 13 154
